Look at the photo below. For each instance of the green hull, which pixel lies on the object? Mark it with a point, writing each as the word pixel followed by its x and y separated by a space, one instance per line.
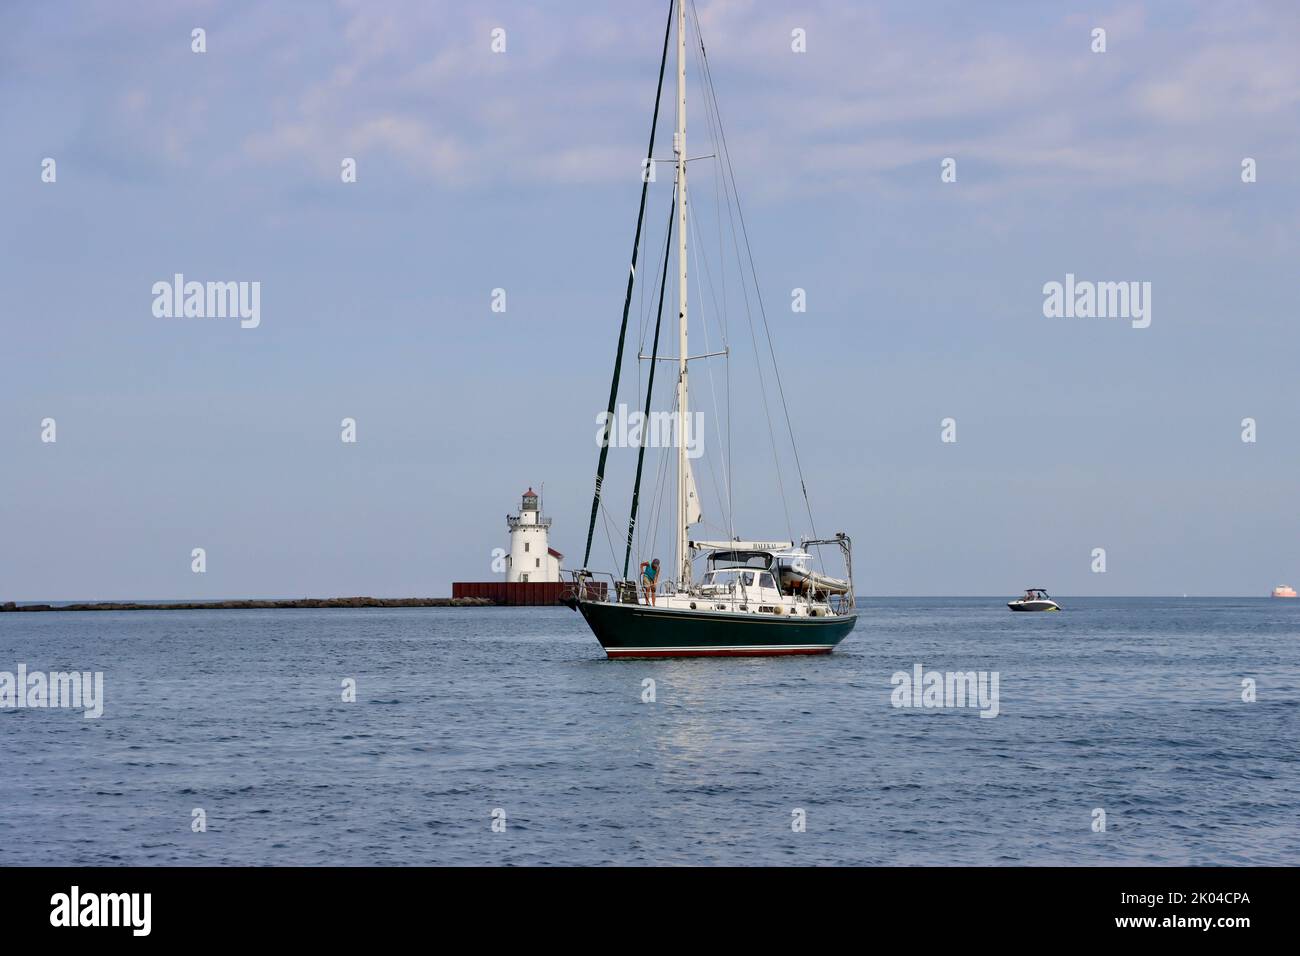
pixel 634 630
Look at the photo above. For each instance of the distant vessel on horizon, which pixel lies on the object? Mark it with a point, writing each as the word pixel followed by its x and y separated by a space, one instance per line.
pixel 1035 599
pixel 1284 591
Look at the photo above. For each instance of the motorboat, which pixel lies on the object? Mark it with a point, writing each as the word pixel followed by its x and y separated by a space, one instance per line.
pixel 1035 599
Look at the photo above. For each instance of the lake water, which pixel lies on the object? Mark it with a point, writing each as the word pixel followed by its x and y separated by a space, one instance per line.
pixel 1130 706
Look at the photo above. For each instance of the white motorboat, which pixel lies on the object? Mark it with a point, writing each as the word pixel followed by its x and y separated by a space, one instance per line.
pixel 1035 599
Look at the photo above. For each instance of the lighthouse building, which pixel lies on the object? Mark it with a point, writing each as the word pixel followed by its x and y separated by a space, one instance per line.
pixel 532 559
pixel 532 567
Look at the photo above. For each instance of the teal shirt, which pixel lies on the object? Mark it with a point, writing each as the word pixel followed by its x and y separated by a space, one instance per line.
pixel 650 572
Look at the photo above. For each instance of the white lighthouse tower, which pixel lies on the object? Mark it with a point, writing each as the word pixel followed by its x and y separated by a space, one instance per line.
pixel 531 556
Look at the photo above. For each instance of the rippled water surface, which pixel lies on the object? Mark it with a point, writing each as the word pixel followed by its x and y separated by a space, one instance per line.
pixel 1133 706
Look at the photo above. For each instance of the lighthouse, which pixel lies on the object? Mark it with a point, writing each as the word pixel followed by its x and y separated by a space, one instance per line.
pixel 532 559
pixel 532 567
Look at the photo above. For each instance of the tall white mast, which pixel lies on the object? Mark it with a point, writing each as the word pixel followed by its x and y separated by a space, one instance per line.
pixel 679 147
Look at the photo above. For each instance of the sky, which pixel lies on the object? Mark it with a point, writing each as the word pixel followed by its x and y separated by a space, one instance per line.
pixel 519 170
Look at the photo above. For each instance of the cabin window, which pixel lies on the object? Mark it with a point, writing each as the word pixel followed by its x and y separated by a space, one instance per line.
pixel 765 580
pixel 537 562
pixel 525 546
pixel 747 578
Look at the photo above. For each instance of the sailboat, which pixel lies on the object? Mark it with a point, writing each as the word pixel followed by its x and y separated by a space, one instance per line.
pixel 756 596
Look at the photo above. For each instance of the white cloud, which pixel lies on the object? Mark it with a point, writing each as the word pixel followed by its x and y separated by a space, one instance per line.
pixel 880 90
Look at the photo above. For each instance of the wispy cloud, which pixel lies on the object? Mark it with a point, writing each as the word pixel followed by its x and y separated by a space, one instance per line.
pixel 880 89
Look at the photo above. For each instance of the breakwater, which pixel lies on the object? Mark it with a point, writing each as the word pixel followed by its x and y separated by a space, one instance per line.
pixel 252 605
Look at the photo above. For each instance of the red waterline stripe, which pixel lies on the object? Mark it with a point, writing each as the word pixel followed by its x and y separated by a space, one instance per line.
pixel 743 652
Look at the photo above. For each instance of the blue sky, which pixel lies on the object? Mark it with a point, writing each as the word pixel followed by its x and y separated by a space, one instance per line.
pixel 519 171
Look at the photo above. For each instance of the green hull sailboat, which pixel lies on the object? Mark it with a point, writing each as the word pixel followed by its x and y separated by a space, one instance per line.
pixel 756 597
pixel 636 630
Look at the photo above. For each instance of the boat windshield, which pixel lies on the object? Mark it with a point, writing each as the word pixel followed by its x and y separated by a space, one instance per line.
pixel 721 560
pixel 724 577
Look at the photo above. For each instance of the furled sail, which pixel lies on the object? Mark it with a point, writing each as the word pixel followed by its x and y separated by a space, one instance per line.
pixel 693 511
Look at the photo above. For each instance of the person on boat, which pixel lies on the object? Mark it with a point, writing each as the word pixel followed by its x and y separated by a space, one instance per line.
pixel 650 577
